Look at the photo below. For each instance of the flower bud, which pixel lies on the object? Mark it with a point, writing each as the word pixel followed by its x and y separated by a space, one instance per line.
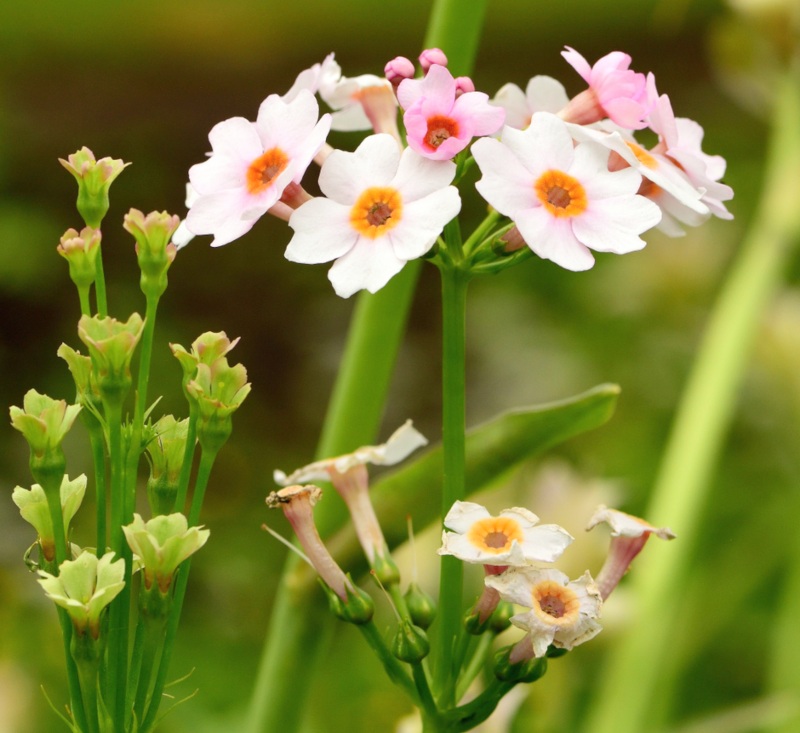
pixel 166 451
pixel 356 608
pixel 431 56
pixel 94 178
pixel 80 250
pixel 398 69
pixel 526 670
pixel 421 606
pixel 154 250
pixel 410 643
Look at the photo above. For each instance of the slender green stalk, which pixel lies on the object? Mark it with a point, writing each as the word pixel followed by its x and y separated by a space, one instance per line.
pixel 476 662
pixel 427 704
pixel 83 294
pixel 632 683
pixel 454 303
pixel 88 665
pixel 99 460
pixel 152 639
pixel 145 354
pixel 207 459
pixel 100 286
pixel 394 667
pixel 188 460
pixel 353 417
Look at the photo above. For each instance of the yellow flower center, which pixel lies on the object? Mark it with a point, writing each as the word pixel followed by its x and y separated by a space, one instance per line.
pixel 495 534
pixel 555 604
pixel 377 210
pixel 647 160
pixel 439 129
pixel 264 169
pixel 561 194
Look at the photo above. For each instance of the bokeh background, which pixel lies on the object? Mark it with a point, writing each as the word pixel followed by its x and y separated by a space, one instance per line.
pixel 145 82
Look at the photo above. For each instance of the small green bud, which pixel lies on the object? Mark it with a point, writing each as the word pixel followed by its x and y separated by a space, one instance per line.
pixel 208 348
pixel 94 178
pixel 554 652
pixel 421 606
pixel 80 250
pixel 357 609
pixel 527 670
pixel 410 643
pixel 500 620
pixel 154 250
pixel 386 570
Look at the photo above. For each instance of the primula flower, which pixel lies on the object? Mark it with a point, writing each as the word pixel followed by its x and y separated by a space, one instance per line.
pixel 625 96
pixel 542 94
pixel 440 123
pixel 628 536
pixel 563 612
pixel 252 164
pixel 84 587
pixel 511 538
pixel 561 196
pixel 383 209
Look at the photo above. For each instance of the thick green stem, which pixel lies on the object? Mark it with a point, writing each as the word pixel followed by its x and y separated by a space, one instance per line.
pixel 634 681
pixel 454 302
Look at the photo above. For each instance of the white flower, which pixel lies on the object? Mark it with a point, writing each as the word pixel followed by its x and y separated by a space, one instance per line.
pixel 563 612
pixel 383 208
pixel 512 538
pixel 401 443
pixel 318 78
pixel 561 196
pixel 182 236
pixel 542 94
pixel 253 163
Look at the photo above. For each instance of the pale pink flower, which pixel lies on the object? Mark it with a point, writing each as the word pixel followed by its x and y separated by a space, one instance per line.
pixel 542 94
pixel 317 78
pixel 252 164
pixel 628 536
pixel 680 140
pixel 563 612
pixel 561 196
pixel 383 208
pixel 614 91
pixel 440 123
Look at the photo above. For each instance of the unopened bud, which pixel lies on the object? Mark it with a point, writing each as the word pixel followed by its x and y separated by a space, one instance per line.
pixel 421 606
pixel 410 643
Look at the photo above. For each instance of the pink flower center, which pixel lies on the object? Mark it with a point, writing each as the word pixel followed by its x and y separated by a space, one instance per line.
pixel 561 194
pixel 377 210
pixel 495 534
pixel 555 603
pixel 264 169
pixel 440 128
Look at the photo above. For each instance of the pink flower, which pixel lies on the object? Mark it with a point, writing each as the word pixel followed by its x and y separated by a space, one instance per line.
pixel 383 208
pixel 561 196
pixel 252 164
pixel 439 123
pixel 614 91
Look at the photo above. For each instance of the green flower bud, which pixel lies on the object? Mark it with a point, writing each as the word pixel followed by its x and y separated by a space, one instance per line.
pixel 111 344
pixel 500 620
pixel 33 507
pixel 207 348
pixel 94 178
pixel 410 643
pixel 84 587
pixel 527 670
pixel 162 544
pixel 358 608
pixel 80 250
pixel 421 606
pixel 154 250
pixel 166 451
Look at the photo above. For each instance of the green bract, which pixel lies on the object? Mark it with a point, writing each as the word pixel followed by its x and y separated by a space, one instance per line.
pixel 84 587
pixel 33 507
pixel 80 367
pixel 43 421
pixel 94 178
pixel 207 348
pixel 163 543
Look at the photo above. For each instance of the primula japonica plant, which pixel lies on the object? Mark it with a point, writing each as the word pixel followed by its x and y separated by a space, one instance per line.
pixel 562 179
pixel 120 593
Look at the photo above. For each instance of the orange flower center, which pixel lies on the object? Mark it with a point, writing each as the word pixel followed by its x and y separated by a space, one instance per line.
pixel 495 534
pixel 377 210
pixel 561 194
pixel 264 169
pixel 554 603
pixel 439 129
pixel 647 160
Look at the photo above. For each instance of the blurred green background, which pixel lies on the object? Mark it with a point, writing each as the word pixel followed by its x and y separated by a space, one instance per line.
pixel 145 82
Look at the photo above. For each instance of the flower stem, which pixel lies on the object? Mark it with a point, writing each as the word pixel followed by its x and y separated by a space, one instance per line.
pixel 99 460
pixel 698 432
pixel 83 294
pixel 188 460
pixel 454 301
pixel 393 666
pixel 100 286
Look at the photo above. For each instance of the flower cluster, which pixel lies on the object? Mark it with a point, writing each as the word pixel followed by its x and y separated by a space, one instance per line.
pixel 566 173
pixel 513 548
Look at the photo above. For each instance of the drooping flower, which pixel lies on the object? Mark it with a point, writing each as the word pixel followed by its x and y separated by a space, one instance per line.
pixel 563 612
pixel 615 91
pixel 439 123
pixel 628 536
pixel 252 164
pixel 514 537
pixel 542 94
pixel 383 208
pixel 562 198
pixel 84 587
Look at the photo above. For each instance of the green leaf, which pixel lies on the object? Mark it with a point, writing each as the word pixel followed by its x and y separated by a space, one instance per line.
pixel 493 450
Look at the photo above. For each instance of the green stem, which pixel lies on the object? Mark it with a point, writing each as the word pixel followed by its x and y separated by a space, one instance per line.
pixel 73 678
pixel 100 286
pixel 145 354
pixel 394 667
pixel 207 459
pixel 475 664
pixel 427 704
pixel 153 637
pixel 99 461
pixel 701 423
pixel 83 294
pixel 87 662
pixel 188 460
pixel 454 301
